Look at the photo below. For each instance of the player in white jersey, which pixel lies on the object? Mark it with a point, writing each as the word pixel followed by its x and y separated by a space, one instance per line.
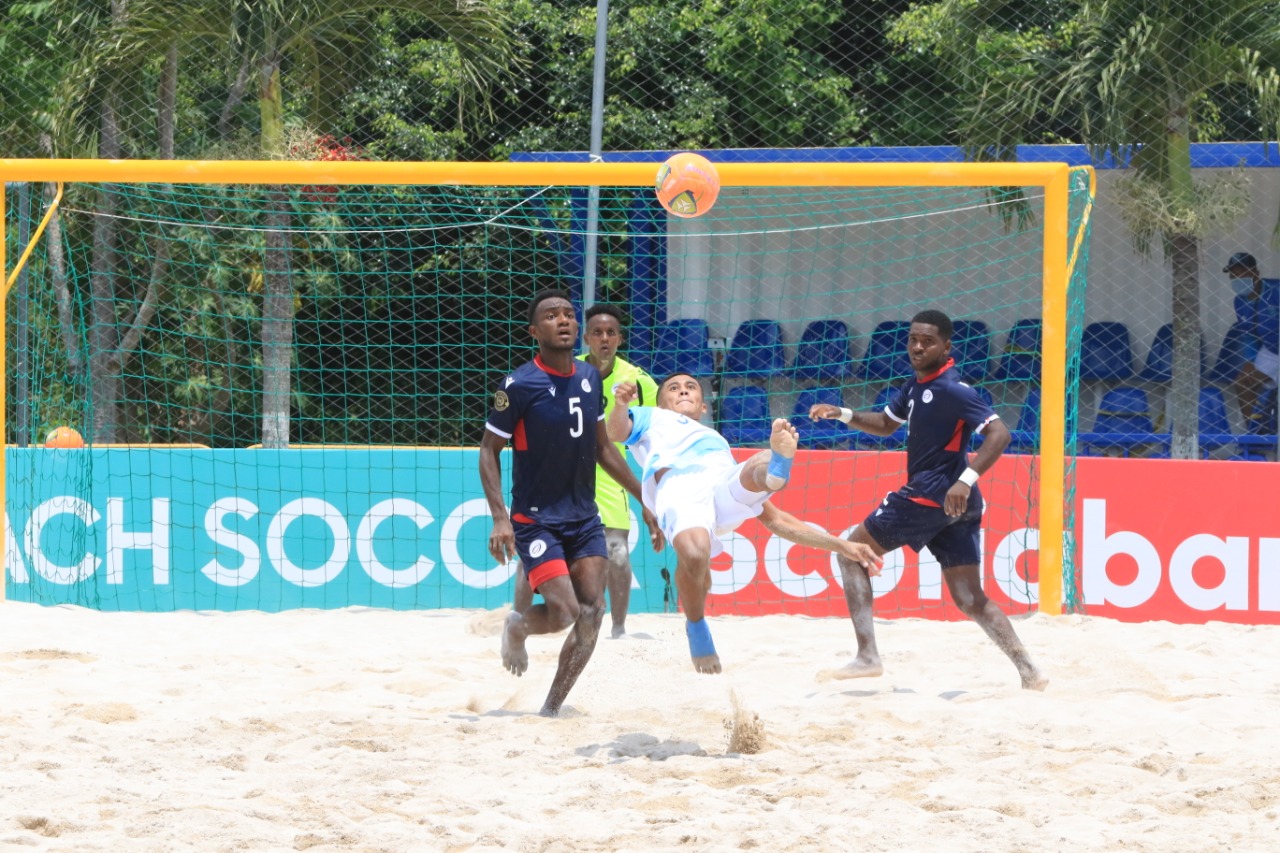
pixel 699 492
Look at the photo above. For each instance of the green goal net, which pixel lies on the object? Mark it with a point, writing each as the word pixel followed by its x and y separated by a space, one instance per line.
pixel 281 388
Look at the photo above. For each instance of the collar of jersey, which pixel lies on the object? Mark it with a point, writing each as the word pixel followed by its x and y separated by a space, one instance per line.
pixel 951 362
pixel 538 363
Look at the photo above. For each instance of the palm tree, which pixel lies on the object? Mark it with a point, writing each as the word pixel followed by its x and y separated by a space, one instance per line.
pixel 320 41
pixel 1139 80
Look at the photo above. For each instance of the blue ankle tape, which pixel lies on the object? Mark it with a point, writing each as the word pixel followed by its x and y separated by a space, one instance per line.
pixel 700 643
pixel 780 467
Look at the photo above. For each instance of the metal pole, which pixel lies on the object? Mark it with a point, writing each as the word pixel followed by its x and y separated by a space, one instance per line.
pixel 597 138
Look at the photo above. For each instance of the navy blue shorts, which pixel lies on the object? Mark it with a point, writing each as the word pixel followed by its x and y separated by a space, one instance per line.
pixel 547 550
pixel 953 540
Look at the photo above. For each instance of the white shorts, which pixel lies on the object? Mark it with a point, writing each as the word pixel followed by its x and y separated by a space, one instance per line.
pixel 1268 362
pixel 710 498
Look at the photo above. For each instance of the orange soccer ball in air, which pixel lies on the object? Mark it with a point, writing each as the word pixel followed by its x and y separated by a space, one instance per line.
pixel 63 436
pixel 687 184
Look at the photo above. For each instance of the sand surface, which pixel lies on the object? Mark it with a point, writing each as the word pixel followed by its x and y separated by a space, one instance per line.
pixel 374 730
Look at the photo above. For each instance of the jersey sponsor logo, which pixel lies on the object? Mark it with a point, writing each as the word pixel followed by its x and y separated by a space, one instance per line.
pixel 927 396
pixel 501 401
pixel 552 389
pixel 537 549
pixel 586 385
pixel 510 379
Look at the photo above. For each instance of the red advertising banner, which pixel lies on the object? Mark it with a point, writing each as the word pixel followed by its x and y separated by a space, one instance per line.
pixel 1181 541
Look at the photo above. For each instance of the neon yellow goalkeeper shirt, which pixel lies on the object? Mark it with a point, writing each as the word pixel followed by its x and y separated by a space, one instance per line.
pixel 610 497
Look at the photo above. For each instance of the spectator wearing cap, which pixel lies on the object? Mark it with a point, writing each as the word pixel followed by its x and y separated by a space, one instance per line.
pixel 1257 304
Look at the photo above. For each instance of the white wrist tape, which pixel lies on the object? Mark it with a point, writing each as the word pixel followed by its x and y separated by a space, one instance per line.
pixel 846 415
pixel 969 477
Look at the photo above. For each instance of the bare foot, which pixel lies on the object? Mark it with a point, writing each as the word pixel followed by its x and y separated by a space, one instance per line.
pixel 857 668
pixel 514 655
pixel 618 631
pixel 1035 680
pixel 709 665
pixel 784 439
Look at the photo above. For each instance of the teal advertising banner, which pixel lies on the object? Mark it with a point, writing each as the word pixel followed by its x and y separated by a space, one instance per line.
pixel 158 529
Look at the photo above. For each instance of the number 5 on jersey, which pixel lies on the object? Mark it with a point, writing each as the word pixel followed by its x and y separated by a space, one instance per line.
pixel 574 408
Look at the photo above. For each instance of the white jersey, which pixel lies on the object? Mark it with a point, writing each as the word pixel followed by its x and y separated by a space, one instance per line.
pixel 701 488
pixel 661 438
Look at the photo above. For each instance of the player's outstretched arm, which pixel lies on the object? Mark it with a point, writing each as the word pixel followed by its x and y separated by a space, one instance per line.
pixel 786 525
pixel 618 424
pixel 616 467
pixel 502 541
pixel 875 423
pixel 995 438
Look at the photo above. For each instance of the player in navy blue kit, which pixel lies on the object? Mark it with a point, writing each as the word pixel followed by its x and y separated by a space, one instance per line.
pixel 940 506
pixel 552 411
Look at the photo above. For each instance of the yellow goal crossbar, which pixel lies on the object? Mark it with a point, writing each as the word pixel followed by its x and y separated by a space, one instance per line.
pixel 1054 178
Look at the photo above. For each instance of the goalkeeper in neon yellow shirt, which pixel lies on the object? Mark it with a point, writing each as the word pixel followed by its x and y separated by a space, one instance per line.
pixel 604 336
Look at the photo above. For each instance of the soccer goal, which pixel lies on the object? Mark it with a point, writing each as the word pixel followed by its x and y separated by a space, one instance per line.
pixel 280 370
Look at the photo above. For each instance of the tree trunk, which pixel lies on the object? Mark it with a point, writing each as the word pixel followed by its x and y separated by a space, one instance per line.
pixel 234 98
pixel 1184 392
pixel 277 324
pixel 277 287
pixel 104 377
pixel 167 119
pixel 1183 249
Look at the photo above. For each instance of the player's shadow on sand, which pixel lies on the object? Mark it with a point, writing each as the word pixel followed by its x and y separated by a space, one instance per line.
pixel 640 745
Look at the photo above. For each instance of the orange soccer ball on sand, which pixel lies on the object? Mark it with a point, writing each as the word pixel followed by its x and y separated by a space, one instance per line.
pixel 687 184
pixel 63 436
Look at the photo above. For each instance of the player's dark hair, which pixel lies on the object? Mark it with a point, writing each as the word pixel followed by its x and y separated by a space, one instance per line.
pixel 605 308
pixel 542 296
pixel 933 317
pixel 671 376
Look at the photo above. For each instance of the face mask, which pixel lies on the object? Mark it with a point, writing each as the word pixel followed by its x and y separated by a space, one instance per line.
pixel 1242 286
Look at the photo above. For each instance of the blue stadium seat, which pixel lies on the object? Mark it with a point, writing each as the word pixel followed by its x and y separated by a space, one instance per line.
pixel 1123 423
pixel 824 351
pixel 1159 366
pixel 744 415
pixel 1106 351
pixel 1021 360
pixel 756 351
pixel 1232 355
pixel 1026 438
pixel 1215 429
pixel 682 345
pixel 971 348
pixel 1260 428
pixel 894 441
pixel 886 356
pixel 819 434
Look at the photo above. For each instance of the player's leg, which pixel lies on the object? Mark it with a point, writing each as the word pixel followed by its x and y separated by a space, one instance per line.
pixel 693 582
pixel 965 584
pixel 588 567
pixel 958 550
pixel 859 598
pixel 685 501
pixel 619 578
pixel 769 470
pixel 523 596
pixel 542 558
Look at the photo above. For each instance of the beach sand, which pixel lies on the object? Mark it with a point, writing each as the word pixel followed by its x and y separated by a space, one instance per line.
pixel 384 731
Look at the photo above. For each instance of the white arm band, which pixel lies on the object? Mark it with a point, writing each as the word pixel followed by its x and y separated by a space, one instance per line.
pixel 846 415
pixel 969 477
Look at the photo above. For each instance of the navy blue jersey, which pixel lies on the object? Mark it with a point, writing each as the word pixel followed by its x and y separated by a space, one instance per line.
pixel 551 420
pixel 941 413
pixel 1261 318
